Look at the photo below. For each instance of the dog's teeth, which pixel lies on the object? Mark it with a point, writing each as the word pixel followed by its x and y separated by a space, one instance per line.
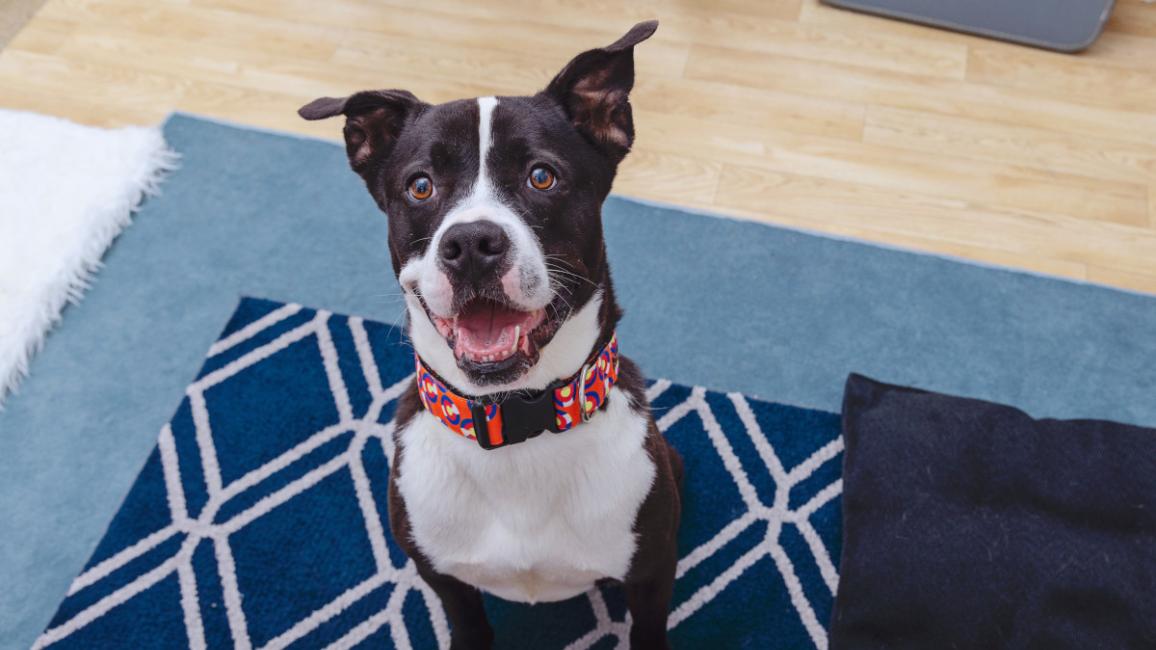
pixel 517 337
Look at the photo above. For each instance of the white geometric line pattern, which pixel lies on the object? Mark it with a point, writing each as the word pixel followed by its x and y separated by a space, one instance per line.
pixel 278 487
pixel 775 515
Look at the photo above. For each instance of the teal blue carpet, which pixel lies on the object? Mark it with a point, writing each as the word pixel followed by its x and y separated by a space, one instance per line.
pixel 730 305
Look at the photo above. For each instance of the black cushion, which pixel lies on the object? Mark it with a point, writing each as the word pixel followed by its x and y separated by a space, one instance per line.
pixel 969 524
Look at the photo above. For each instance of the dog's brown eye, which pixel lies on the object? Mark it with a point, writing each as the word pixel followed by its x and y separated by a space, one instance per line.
pixel 421 188
pixel 541 178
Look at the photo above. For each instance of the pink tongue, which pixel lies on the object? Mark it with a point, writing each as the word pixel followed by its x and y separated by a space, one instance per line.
pixel 488 331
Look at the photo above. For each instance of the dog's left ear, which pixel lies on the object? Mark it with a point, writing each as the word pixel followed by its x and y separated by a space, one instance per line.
pixel 594 90
pixel 373 121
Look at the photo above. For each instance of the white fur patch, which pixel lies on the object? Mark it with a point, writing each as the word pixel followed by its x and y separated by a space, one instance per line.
pixel 486 106
pixel 535 522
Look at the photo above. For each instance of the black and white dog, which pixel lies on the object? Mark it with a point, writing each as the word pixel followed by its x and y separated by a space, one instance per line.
pixel 495 234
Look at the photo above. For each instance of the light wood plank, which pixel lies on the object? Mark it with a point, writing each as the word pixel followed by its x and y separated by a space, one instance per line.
pixel 1152 206
pixel 670 178
pixel 750 108
pixel 118 89
pixel 792 199
pixel 1045 149
pixel 43 37
pixel 1080 79
pixel 993 103
pixel 1133 17
pixel 14 14
pixel 1120 49
pixel 931 173
pixel 1142 282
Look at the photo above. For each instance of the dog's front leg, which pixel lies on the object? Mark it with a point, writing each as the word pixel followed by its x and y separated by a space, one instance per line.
pixel 648 600
pixel 469 628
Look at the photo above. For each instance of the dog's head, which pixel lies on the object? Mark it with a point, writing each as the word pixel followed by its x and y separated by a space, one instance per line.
pixel 494 205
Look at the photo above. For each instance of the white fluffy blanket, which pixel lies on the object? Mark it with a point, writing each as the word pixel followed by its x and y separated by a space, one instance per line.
pixel 66 191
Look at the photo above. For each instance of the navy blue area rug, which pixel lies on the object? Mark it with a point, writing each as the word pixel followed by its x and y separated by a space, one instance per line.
pixel 259 518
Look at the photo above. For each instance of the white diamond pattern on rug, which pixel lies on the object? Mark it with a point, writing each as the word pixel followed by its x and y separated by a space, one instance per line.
pixel 292 549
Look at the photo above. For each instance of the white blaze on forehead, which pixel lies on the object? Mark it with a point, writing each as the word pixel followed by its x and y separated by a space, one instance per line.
pixel 486 107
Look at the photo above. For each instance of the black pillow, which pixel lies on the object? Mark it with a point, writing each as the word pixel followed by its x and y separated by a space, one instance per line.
pixel 968 524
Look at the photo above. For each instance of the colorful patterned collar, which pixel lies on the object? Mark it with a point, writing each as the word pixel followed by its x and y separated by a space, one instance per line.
pixel 558 408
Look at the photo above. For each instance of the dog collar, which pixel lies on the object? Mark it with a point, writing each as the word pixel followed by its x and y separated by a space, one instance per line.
pixel 560 407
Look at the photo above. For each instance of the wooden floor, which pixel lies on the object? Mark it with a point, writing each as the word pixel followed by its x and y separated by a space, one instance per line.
pixel 782 110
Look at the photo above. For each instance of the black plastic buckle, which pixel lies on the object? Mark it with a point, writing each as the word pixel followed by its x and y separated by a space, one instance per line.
pixel 522 418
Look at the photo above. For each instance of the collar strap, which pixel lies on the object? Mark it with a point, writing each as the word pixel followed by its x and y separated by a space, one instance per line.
pixel 560 407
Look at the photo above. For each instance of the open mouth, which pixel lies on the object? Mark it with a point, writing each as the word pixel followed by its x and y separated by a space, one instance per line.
pixel 492 335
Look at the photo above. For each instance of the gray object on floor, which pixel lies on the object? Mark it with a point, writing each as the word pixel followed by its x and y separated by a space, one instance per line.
pixel 1063 25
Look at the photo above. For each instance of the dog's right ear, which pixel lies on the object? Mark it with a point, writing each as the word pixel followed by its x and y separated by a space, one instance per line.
pixel 373 121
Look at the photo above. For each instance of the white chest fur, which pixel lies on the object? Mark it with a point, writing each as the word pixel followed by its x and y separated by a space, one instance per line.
pixel 535 522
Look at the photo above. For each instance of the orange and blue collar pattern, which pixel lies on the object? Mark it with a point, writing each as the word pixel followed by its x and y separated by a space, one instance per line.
pixel 561 407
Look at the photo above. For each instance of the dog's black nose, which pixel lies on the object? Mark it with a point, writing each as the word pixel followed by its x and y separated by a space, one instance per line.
pixel 473 247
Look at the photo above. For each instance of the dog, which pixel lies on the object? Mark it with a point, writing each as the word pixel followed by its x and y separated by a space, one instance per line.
pixel 527 463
